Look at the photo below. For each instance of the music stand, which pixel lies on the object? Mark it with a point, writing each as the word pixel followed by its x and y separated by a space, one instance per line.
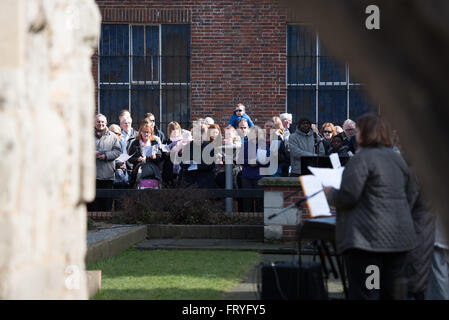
pixel 322 230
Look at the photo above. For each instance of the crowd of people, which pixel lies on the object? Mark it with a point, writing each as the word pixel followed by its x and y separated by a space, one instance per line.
pixel 382 217
pixel 150 158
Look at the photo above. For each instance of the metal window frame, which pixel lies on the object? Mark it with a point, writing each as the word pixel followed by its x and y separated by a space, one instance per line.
pixel 317 83
pixel 130 81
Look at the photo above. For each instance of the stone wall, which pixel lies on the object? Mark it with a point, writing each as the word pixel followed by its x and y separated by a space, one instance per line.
pixel 47 166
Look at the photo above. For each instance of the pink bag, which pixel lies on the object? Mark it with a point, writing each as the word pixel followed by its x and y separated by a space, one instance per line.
pixel 148 184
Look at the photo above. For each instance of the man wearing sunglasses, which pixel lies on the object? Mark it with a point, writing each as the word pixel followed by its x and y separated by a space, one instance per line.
pixel 239 114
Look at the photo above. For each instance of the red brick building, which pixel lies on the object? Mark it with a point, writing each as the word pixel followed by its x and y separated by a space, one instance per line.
pixel 183 60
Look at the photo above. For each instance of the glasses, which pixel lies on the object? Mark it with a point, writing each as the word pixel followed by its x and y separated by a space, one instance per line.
pixel 327 131
pixel 239 110
pixel 145 132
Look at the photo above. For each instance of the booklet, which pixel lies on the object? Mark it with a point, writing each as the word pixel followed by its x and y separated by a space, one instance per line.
pixel 327 176
pixel 317 203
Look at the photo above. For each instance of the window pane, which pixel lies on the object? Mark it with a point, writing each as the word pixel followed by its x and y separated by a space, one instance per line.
pixel 176 53
pixel 145 53
pixel 332 104
pixel 301 103
pixel 113 99
pixel 175 105
pixel 144 99
pixel 114 51
pixel 301 55
pixel 330 69
pixel 358 103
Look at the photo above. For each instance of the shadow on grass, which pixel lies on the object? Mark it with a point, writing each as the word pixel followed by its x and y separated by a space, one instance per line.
pixel 159 294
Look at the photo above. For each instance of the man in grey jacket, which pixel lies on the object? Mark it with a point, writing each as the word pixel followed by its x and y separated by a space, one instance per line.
pixel 304 142
pixel 108 149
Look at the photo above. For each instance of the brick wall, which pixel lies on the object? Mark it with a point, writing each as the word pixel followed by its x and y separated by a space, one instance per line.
pixel 289 231
pixel 238 51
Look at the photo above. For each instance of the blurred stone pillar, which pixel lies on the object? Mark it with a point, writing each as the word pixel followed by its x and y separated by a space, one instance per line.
pixel 47 168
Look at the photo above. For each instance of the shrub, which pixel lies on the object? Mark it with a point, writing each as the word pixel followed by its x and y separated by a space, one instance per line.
pixel 175 206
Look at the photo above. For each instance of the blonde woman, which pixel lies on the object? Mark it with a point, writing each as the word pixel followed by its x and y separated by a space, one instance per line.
pixel 279 127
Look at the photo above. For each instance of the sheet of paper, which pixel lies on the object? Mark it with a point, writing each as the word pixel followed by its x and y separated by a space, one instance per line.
pixel 262 156
pixel 327 176
pixel 317 204
pixel 148 151
pixel 192 167
pixel 165 147
pixel 335 160
pixel 123 157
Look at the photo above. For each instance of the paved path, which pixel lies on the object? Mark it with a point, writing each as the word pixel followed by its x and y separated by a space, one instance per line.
pixel 248 289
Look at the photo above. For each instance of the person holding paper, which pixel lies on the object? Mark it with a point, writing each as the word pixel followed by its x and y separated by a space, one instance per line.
pixel 144 150
pixel 121 174
pixel 252 157
pixel 169 172
pixel 197 166
pixel 304 142
pixel 374 221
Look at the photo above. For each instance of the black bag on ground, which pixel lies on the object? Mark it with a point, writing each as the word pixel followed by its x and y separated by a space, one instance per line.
pixel 280 281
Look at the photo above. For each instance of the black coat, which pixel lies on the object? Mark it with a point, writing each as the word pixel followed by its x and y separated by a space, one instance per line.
pixel 373 203
pixel 204 176
pixel 419 259
pixel 137 151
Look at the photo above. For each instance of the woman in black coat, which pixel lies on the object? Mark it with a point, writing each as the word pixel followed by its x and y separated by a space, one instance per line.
pixel 197 171
pixel 145 138
pixel 375 229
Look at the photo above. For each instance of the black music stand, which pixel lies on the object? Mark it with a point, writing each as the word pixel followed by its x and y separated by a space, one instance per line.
pixel 318 162
pixel 322 231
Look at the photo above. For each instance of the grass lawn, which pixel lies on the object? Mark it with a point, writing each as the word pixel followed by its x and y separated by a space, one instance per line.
pixel 172 274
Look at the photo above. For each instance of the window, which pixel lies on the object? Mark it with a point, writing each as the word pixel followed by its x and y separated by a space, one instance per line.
pixel 318 87
pixel 145 69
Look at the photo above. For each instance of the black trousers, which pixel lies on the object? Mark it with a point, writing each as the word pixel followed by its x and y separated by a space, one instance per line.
pixel 391 271
pixel 102 204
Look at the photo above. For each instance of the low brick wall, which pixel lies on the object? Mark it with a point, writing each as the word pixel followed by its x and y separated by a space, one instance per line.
pixel 282 227
pixel 243 232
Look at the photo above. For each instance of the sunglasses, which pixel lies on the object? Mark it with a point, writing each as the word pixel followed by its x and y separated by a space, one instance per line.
pixel 327 131
pixel 146 132
pixel 239 110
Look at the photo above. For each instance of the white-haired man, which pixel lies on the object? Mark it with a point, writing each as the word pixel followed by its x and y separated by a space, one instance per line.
pixel 286 119
pixel 128 132
pixel 350 132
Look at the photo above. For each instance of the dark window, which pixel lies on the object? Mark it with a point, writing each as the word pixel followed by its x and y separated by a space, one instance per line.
pixel 145 69
pixel 319 87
